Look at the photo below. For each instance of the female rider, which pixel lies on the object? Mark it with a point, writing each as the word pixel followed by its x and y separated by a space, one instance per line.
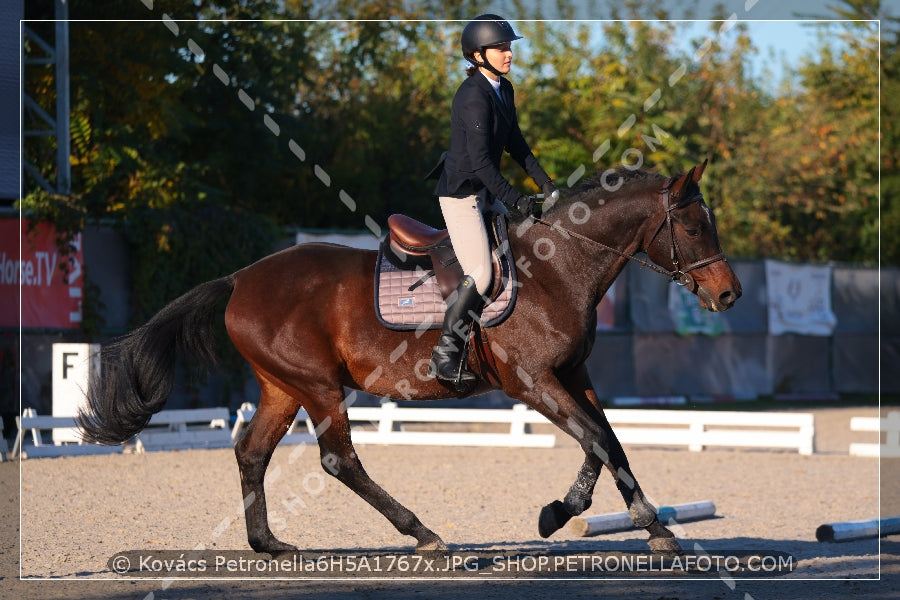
pixel 482 125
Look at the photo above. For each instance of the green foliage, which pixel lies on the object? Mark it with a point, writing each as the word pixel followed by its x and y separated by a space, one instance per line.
pixel 200 184
pixel 890 145
pixel 179 246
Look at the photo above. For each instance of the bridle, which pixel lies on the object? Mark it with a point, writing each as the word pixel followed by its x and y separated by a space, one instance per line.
pixel 680 275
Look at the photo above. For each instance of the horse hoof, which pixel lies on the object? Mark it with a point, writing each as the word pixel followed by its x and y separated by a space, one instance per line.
pixel 552 518
pixel 436 545
pixel 665 546
pixel 280 550
pixel 274 547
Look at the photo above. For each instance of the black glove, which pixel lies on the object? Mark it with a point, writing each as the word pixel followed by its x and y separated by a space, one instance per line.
pixel 524 205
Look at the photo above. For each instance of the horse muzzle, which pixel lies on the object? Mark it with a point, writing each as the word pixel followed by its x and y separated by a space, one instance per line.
pixel 717 303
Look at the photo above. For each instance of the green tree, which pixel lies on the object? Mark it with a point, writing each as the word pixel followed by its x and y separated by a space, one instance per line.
pixel 890 142
pixel 809 165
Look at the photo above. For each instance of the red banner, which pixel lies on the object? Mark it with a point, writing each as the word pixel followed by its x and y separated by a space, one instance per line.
pixel 51 298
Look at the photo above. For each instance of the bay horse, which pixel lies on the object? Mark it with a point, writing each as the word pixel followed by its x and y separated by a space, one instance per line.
pixel 304 319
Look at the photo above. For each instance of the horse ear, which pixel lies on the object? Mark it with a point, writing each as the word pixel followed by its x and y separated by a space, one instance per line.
pixel 679 186
pixel 698 171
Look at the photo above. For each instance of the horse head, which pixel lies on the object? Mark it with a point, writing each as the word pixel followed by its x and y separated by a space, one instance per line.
pixel 687 243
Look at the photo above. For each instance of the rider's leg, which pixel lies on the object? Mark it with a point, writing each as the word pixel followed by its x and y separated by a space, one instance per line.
pixel 448 358
pixel 465 225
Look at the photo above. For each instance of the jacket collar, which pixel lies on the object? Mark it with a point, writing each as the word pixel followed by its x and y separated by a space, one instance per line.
pixel 501 107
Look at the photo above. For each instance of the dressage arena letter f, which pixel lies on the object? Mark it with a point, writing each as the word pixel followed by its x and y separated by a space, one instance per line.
pixel 66 364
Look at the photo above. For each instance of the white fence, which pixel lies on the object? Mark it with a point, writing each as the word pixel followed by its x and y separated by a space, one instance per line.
pixel 392 419
pixel 387 424
pixel 890 425
pixel 293 435
pixel 186 429
pixel 31 422
pixel 698 429
pixel 167 430
pixel 391 424
pixel 694 429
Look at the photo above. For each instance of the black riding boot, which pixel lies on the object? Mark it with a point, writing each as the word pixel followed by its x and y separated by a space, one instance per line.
pixel 447 361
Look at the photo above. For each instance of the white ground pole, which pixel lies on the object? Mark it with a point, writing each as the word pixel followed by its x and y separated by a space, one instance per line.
pixel 621 521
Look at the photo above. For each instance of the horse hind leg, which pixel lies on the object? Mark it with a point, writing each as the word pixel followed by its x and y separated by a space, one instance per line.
pixel 607 449
pixel 340 460
pixel 253 450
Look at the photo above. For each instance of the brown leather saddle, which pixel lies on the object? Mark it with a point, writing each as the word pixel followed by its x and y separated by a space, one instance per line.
pixel 412 245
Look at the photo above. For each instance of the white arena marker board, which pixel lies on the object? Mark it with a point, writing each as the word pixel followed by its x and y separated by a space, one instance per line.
pixel 73 365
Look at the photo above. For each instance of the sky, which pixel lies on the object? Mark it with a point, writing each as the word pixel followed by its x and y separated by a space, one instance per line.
pixel 778 42
pixel 781 29
pixel 684 9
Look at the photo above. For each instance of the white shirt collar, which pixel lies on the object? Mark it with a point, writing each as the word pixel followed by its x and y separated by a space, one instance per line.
pixel 494 83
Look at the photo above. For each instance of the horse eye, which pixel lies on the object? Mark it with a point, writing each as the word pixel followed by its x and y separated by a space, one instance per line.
pixel 693 232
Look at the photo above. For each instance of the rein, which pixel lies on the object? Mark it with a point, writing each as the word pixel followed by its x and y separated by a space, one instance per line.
pixel 680 274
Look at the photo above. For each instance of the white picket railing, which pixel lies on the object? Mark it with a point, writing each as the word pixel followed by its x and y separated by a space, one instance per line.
pixel 392 424
pixel 889 425
pixel 33 423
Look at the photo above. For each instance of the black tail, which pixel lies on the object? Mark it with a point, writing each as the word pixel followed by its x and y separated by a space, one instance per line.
pixel 137 370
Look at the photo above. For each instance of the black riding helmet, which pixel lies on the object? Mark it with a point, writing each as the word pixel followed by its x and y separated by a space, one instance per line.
pixel 484 31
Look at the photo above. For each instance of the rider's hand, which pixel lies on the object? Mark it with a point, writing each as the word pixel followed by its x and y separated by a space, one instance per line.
pixel 525 205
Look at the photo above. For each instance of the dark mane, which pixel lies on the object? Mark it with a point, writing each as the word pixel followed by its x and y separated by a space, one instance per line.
pixel 628 177
pixel 608 187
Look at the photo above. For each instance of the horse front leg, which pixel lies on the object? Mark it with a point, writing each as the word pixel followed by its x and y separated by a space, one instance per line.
pixel 571 403
pixel 662 541
pixel 556 514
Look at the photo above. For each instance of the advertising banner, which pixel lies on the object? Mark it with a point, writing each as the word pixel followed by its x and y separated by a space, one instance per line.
pixel 799 299
pixel 688 317
pixel 51 294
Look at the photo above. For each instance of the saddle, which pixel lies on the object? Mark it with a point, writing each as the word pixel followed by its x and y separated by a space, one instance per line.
pixel 417 270
pixel 413 244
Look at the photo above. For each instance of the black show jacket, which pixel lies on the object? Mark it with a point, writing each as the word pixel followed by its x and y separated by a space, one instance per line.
pixel 481 128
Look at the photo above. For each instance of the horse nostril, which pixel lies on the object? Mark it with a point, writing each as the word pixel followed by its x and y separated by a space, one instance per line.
pixel 728 298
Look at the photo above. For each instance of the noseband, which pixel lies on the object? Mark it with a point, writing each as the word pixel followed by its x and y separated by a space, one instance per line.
pixel 679 274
